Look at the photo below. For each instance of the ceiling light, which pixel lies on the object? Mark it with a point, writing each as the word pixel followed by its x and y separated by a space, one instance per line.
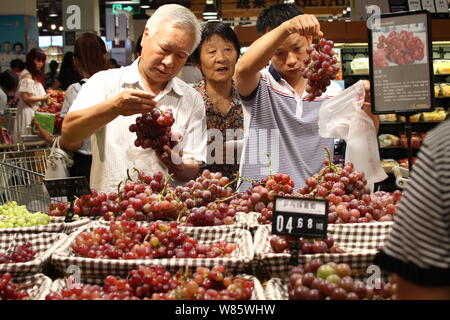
pixel 61 28
pixel 53 26
pixel 39 24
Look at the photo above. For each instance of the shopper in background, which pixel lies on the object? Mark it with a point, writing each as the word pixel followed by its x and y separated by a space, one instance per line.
pixel 216 56
pixel 272 97
pixel 190 73
pixel 418 246
pixel 50 76
pixel 68 73
pixel 8 83
pixel 90 57
pixel 112 100
pixel 113 63
pixel 30 91
pixel 18 66
pixel 18 51
pixel 5 56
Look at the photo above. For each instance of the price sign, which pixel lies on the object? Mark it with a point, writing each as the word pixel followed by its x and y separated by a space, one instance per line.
pixel 300 217
pixel 67 187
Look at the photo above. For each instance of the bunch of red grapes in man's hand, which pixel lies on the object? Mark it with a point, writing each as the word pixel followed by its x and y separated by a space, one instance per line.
pixel 153 130
pixel 319 68
pixel 401 48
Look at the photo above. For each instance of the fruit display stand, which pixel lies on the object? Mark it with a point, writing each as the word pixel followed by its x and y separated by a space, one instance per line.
pixel 56 225
pixel 37 286
pixel 97 268
pixel 44 244
pixel 360 242
pixel 258 291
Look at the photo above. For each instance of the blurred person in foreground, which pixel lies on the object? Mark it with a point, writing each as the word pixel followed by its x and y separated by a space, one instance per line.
pixel 216 57
pixel 417 249
pixel 90 57
pixel 112 100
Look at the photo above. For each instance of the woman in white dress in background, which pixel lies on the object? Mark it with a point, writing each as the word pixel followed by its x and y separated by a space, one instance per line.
pixel 30 91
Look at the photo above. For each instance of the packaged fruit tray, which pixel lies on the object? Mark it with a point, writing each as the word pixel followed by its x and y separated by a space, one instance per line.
pixel 56 225
pixel 97 268
pixel 37 286
pixel 59 284
pixel 43 244
pixel 360 243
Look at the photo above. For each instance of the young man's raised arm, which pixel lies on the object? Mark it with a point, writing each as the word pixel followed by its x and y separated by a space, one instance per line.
pixel 261 51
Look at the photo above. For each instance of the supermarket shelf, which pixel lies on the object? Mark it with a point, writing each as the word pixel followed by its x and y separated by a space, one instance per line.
pixel 390 127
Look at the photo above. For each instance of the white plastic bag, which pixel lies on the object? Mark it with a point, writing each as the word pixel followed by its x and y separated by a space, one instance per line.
pixel 58 162
pixel 342 117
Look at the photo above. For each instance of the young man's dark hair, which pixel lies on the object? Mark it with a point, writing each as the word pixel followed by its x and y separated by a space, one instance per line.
pixel 275 15
pixel 8 81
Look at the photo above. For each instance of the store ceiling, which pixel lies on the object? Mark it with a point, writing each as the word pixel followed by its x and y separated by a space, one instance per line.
pixel 49 11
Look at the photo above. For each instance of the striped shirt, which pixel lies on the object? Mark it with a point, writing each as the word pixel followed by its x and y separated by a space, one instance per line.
pixel 113 149
pixel 418 247
pixel 285 126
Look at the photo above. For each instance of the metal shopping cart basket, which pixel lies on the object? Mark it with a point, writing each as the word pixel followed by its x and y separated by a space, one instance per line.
pixel 22 172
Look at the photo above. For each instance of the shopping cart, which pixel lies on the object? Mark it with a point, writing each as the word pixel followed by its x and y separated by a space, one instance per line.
pixel 22 173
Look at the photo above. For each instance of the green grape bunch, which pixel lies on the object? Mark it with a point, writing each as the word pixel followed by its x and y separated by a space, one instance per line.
pixel 14 216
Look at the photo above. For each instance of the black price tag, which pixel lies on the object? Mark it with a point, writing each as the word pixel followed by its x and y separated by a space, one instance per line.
pixel 300 217
pixel 67 187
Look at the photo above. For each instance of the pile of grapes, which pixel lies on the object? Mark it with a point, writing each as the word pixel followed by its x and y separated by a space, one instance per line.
pixel 126 240
pixel 153 130
pixel 349 197
pixel 155 283
pixel 20 253
pixel 400 48
pixel 319 68
pixel 10 290
pixel 283 244
pixel 259 198
pixel 331 281
pixel 15 216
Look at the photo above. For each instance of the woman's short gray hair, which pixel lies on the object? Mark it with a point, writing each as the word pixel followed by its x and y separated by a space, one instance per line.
pixel 179 16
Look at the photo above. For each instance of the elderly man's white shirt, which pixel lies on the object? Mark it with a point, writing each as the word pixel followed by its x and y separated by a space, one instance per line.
pixel 113 148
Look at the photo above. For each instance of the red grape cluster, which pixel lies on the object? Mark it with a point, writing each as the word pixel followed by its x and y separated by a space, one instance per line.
pixel 96 204
pixel 259 198
pixel 319 68
pixel 10 290
pixel 349 197
pixel 155 283
pixel 207 188
pixel 331 281
pixel 283 244
pixel 210 284
pixel 153 130
pixel 20 253
pixel 127 240
pixel 401 48
pixel 214 214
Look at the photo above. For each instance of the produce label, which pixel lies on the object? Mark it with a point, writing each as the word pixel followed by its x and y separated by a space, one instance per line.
pixel 300 217
pixel 400 64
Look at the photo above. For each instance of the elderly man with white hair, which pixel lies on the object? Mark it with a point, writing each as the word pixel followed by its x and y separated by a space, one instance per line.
pixel 112 100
